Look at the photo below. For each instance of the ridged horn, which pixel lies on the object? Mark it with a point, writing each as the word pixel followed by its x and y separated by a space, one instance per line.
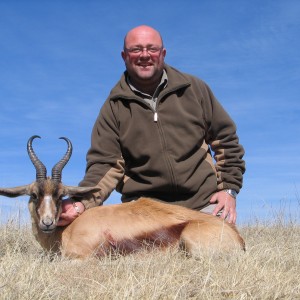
pixel 57 169
pixel 41 171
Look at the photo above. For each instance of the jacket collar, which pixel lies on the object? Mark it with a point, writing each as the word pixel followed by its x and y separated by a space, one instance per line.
pixel 176 81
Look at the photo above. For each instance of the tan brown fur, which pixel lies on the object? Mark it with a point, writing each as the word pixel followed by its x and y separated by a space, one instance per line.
pixel 106 228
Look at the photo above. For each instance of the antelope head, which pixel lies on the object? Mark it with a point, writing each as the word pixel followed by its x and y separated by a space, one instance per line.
pixel 46 193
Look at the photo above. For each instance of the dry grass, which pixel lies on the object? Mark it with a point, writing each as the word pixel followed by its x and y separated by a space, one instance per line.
pixel 270 269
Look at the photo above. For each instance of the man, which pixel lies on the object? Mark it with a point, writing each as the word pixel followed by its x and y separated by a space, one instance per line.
pixel 154 136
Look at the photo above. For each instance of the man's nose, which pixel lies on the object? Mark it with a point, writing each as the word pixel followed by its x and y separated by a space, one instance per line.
pixel 145 53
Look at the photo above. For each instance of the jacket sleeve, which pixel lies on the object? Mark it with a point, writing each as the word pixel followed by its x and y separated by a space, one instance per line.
pixel 105 165
pixel 224 142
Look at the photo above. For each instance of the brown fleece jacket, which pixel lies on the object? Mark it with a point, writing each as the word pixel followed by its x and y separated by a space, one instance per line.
pixel 168 158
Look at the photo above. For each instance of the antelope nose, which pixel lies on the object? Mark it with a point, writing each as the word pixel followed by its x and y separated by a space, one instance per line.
pixel 47 222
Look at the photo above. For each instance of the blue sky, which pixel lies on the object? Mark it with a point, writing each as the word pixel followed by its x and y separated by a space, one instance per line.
pixel 60 59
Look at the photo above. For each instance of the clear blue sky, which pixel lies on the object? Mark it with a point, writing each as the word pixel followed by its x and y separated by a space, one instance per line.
pixel 60 59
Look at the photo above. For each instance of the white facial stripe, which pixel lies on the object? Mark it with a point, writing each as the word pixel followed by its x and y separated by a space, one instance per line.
pixel 47 203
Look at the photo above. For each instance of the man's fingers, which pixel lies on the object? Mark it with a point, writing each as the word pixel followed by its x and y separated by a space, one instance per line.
pixel 217 209
pixel 214 198
pixel 66 204
pixel 229 215
pixel 224 213
pixel 232 217
pixel 226 204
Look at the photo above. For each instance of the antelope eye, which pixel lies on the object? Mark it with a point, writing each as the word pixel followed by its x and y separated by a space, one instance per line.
pixel 34 196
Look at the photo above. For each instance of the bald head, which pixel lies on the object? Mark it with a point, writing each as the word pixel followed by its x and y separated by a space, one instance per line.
pixel 144 55
pixel 142 32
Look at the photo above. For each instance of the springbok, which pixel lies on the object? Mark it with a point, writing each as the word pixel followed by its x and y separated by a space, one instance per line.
pixel 119 228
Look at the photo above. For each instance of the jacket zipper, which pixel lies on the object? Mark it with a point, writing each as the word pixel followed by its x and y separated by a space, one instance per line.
pixel 166 155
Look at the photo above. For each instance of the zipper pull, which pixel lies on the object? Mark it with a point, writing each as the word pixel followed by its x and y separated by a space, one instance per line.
pixel 155 117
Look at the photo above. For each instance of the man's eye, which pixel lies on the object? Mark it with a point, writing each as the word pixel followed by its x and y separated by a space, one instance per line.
pixel 136 50
pixel 153 49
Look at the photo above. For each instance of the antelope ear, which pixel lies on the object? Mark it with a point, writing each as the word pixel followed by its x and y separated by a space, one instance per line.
pixel 15 191
pixel 81 190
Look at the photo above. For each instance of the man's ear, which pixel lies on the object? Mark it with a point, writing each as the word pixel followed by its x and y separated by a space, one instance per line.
pixel 123 54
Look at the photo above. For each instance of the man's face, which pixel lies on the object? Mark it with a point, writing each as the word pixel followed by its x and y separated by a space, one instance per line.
pixel 144 55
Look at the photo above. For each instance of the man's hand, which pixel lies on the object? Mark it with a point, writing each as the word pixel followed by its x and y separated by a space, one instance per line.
pixel 226 203
pixel 70 211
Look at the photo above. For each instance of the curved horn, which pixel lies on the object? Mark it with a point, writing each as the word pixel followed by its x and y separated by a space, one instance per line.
pixel 41 171
pixel 57 169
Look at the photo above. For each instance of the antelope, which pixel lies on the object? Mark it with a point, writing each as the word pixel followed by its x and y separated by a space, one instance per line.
pixel 119 228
